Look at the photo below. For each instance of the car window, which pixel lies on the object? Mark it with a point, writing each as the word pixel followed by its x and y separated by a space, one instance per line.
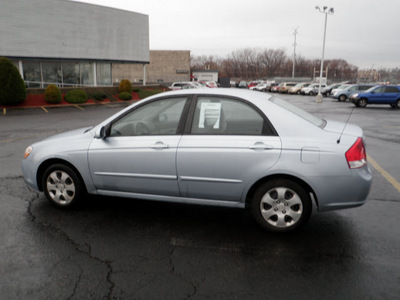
pixel 222 116
pixel 159 117
pixel 380 89
pixel 391 89
pixel 298 111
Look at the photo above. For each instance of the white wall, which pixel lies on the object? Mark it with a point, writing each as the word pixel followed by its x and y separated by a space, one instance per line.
pixel 63 29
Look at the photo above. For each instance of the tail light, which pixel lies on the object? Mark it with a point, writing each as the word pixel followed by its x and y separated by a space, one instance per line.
pixel 356 156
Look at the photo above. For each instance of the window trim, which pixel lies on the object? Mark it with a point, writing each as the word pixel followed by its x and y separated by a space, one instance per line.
pixel 267 130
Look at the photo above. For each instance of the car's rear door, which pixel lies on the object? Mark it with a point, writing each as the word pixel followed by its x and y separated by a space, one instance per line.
pixel 228 144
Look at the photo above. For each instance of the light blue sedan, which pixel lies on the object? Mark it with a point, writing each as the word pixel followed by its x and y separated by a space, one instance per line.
pixel 223 147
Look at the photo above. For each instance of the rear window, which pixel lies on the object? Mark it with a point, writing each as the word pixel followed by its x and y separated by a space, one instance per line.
pixel 299 112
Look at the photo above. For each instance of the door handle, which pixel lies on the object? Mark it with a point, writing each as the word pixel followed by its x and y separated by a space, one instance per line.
pixel 159 145
pixel 260 146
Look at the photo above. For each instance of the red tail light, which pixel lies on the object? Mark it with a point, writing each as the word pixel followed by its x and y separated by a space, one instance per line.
pixel 356 156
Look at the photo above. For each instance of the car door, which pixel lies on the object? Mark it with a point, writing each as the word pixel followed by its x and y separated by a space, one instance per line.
pixel 138 155
pixel 228 145
pixel 377 95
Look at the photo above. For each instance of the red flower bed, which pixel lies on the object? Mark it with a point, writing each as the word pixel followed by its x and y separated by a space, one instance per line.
pixel 38 101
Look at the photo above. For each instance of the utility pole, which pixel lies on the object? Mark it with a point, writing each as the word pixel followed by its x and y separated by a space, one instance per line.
pixel 294 50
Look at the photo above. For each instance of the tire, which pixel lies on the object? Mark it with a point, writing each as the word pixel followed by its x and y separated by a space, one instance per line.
pixel 62 186
pixel 342 98
pixel 362 103
pixel 298 93
pixel 397 105
pixel 311 93
pixel 281 205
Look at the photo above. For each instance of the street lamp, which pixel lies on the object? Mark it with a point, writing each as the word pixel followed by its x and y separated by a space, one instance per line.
pixel 327 11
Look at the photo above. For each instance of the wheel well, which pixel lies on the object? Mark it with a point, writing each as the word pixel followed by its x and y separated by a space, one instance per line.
pixel 260 182
pixel 47 163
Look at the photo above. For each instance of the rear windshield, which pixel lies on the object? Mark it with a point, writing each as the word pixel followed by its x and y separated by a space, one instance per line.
pixel 299 112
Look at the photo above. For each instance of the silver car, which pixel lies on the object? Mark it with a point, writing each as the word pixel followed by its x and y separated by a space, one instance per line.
pixel 222 147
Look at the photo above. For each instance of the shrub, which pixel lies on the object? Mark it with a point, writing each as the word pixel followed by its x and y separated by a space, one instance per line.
pixel 147 93
pixel 52 94
pixel 125 96
pixel 136 90
pixel 125 86
pixel 99 96
pixel 12 86
pixel 76 96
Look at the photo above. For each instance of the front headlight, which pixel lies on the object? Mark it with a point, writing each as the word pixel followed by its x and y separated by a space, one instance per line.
pixel 28 151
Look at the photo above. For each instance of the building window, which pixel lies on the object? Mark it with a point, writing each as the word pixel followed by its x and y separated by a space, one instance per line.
pixel 87 74
pixel 71 74
pixel 52 74
pixel 31 73
pixel 103 74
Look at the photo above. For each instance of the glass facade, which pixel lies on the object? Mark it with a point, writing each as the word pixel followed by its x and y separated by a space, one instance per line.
pixel 103 74
pixel 32 74
pixel 65 74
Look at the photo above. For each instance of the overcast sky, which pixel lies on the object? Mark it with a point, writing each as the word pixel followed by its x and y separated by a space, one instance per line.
pixel 366 33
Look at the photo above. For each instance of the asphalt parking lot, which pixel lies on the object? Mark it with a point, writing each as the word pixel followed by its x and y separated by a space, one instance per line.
pixel 114 248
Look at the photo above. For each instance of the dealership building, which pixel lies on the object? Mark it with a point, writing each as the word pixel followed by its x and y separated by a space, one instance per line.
pixel 71 44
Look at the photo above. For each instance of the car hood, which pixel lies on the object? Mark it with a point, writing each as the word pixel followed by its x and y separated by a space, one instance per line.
pixel 339 127
pixel 70 134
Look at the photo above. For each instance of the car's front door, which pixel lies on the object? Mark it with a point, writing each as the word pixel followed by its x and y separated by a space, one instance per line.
pixel 229 144
pixel 138 155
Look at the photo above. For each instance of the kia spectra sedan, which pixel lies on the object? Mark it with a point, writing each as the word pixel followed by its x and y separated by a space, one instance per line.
pixel 222 147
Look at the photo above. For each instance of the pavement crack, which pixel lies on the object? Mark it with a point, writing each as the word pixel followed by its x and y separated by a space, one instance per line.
pixel 386 200
pixel 84 249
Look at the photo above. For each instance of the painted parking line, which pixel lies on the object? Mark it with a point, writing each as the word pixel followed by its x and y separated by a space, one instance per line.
pixel 78 107
pixel 385 174
pixel 29 136
pixel 4 111
pixel 45 109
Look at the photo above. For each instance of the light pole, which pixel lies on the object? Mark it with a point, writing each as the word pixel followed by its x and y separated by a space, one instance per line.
pixel 327 11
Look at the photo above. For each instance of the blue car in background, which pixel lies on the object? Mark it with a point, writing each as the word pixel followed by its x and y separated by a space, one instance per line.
pixel 343 94
pixel 386 94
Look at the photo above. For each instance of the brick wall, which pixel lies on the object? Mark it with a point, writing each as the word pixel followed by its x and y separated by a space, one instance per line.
pixel 169 66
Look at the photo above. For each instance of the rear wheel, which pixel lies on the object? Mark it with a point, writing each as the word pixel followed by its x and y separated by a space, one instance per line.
pixel 281 205
pixel 397 105
pixel 362 103
pixel 342 98
pixel 62 186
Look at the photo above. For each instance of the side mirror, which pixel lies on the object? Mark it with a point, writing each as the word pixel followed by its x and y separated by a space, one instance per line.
pixel 100 133
pixel 103 132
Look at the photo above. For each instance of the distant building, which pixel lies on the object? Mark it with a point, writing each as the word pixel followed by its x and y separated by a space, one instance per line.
pixel 205 75
pixel 368 76
pixel 71 43
pixel 165 67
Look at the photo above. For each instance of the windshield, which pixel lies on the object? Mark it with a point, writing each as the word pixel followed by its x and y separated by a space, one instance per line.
pixel 299 112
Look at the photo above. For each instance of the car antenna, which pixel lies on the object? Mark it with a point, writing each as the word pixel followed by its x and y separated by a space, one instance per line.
pixel 340 137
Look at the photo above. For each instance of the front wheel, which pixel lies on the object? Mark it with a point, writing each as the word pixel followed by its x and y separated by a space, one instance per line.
pixel 362 103
pixel 311 93
pixel 281 205
pixel 342 98
pixel 62 186
pixel 397 105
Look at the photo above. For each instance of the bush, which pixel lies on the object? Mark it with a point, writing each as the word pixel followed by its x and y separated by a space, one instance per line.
pixel 52 94
pixel 99 96
pixel 147 93
pixel 125 86
pixel 76 96
pixel 125 96
pixel 136 90
pixel 12 86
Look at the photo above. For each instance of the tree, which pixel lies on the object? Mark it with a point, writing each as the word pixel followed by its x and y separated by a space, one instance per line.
pixel 12 86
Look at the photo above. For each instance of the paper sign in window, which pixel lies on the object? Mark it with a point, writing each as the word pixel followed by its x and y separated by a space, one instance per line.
pixel 210 115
